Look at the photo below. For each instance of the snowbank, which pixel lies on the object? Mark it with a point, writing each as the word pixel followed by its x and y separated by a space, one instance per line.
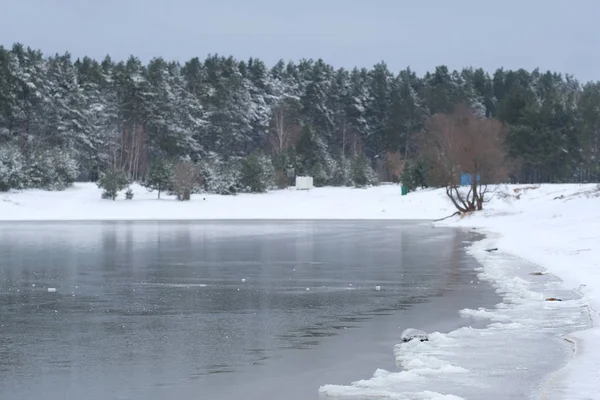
pixel 558 228
pixel 555 227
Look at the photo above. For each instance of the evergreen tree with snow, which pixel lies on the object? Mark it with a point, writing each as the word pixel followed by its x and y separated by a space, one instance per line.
pixel 377 110
pixel 407 112
pixel 91 115
pixel 257 173
pixel 12 174
pixel 362 173
pixel 315 101
pixel 342 175
pixel 159 177
pixel 221 176
pixel 313 159
pixel 52 169
pixel 112 182
pixel 414 175
pixel 229 107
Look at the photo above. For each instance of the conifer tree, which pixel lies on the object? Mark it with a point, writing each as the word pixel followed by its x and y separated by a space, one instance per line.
pixel 159 177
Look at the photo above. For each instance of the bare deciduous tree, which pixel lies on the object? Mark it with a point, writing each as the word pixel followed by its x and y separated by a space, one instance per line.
pixel 133 150
pixel 463 144
pixel 394 165
pixel 285 130
pixel 185 177
pixel 349 138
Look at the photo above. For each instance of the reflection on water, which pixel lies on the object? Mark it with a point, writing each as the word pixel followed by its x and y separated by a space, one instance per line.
pixel 142 305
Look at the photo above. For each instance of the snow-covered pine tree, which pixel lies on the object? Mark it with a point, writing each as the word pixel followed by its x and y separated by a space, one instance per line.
pixel 439 90
pixel 407 113
pixel 103 114
pixel 159 176
pixel 466 92
pixel 258 83
pixel 175 118
pixel 69 126
pixel 221 176
pixel 313 159
pixel 26 70
pixel 362 173
pixel 112 182
pixel 257 174
pixel 229 107
pixel 101 106
pixel 342 175
pixel 50 169
pixel 357 128
pixel 315 101
pixel 12 174
pixel 377 110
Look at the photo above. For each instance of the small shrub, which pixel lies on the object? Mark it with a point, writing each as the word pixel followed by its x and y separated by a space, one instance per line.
pixel 112 182
pixel 129 194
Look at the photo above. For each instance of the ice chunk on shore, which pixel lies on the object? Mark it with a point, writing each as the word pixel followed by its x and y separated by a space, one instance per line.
pixel 410 334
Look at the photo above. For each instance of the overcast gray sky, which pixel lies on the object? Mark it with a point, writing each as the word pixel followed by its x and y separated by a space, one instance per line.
pixel 559 35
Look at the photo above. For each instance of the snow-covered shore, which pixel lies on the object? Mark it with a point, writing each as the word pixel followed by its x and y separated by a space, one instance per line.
pixel 556 227
pixel 83 202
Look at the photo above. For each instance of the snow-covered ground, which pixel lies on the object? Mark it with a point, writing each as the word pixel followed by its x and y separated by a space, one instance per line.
pixel 83 202
pixel 556 227
pixel 548 228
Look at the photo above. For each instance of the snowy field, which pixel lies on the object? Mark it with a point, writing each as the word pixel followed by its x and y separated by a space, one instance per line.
pixel 83 202
pixel 547 228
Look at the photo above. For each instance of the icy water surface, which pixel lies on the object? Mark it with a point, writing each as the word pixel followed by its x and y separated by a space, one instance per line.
pixel 228 310
pixel 515 356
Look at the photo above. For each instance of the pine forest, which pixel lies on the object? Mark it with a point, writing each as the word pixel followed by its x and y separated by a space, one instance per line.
pixel 224 125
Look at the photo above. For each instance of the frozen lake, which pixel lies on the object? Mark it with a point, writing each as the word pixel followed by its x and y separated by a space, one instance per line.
pixel 229 310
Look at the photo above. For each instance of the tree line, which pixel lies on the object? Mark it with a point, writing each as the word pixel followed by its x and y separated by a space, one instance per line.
pixel 244 126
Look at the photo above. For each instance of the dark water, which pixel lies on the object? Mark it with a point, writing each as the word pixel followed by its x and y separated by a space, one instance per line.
pixel 240 310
